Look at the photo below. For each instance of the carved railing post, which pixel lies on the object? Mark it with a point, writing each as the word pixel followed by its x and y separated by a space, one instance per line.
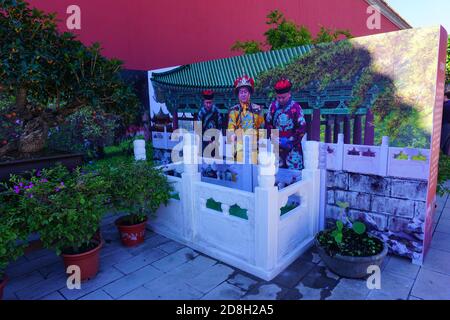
pixel 312 173
pixel 267 213
pixel 189 177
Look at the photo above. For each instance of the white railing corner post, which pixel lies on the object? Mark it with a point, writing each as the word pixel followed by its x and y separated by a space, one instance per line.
pixel 189 177
pixel 323 185
pixel 312 172
pixel 267 213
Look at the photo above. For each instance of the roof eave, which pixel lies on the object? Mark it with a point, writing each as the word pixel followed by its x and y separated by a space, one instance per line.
pixel 388 12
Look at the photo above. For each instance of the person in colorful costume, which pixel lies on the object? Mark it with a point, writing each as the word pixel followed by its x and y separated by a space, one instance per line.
pixel 245 115
pixel 287 117
pixel 209 115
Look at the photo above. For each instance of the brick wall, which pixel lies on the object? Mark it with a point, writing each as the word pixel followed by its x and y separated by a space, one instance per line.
pixel 392 208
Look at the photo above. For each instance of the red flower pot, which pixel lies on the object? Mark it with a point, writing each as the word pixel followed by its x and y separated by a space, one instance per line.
pixel 88 262
pixel 3 285
pixel 131 235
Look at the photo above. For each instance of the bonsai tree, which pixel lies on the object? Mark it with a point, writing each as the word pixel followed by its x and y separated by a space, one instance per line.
pixel 86 131
pixel 52 75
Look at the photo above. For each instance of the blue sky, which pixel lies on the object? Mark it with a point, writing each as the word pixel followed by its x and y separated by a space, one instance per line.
pixel 423 13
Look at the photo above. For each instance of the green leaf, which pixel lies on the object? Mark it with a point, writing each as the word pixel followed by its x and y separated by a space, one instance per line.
pixel 339 225
pixel 359 227
pixel 343 205
pixel 338 238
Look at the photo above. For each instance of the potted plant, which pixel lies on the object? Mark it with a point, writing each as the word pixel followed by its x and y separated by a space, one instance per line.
pixel 11 247
pixel 138 189
pixel 348 250
pixel 139 148
pixel 65 208
pixel 13 231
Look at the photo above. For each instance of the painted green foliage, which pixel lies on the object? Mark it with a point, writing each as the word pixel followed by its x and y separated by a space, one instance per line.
pixel 331 64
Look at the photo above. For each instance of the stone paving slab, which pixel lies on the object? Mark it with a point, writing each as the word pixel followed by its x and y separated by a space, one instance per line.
pixel 437 260
pixel 175 259
pixel 137 262
pixel 402 267
pixel 101 279
pixel 30 266
pixel 211 278
pixel 192 268
pixel 170 287
pixel 97 295
pixel 53 296
pixel 53 270
pixel 431 285
pixel 225 291
pixel 152 240
pixel 264 292
pixel 350 289
pixel 446 212
pixel 292 275
pixel 171 247
pixel 131 281
pixel 441 241
pixel 114 257
pixel 443 226
pixel 42 288
pixel 393 287
pixel 241 281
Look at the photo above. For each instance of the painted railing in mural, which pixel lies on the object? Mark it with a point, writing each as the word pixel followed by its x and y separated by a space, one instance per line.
pixel 378 160
pixel 260 232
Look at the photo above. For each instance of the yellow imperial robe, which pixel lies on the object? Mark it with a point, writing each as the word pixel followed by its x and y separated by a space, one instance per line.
pixel 246 117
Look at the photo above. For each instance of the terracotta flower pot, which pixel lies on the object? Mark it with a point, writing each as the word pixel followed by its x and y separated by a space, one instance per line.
pixel 3 285
pixel 131 235
pixel 88 262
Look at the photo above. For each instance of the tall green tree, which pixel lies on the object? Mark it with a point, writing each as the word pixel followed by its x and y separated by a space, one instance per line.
pixel 283 33
pixel 52 75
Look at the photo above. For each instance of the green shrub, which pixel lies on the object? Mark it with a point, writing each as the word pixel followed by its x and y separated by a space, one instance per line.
pixel 64 207
pixel 12 236
pixel 136 188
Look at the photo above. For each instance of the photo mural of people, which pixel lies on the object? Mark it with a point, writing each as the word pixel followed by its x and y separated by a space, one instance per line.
pixel 245 115
pixel 286 116
pixel 209 115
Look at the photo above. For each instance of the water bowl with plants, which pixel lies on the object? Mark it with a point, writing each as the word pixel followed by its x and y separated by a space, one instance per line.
pixel 348 249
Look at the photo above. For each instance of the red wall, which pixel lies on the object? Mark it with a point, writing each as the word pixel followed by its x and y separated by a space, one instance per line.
pixel 151 34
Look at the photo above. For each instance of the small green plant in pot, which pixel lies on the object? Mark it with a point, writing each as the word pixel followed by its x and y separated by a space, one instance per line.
pixel 65 208
pixel 138 189
pixel 348 249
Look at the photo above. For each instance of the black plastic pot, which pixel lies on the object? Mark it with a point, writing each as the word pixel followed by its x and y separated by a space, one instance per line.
pixel 351 267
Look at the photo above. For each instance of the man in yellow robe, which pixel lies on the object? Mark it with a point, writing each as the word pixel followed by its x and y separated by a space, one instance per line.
pixel 245 118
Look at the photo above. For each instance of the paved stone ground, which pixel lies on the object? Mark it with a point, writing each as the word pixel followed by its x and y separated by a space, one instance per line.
pixel 164 269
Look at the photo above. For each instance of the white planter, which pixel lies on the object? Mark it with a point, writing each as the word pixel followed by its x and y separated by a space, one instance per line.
pixel 139 150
